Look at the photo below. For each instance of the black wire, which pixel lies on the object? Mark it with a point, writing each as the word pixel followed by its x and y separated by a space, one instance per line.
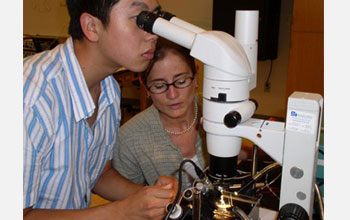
pixel 246 185
pixel 321 151
pixel 267 82
pixel 200 174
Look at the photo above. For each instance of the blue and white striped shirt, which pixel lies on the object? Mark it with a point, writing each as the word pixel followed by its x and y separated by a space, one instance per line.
pixel 63 155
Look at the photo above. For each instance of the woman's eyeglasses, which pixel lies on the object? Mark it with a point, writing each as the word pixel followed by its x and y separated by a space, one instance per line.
pixel 161 87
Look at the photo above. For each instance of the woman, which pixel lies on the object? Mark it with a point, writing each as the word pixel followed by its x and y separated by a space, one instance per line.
pixel 155 141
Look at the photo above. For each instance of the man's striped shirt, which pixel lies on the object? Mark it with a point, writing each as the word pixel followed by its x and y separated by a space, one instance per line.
pixel 63 155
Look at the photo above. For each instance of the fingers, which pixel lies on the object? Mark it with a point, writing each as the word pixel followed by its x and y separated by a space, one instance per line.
pixel 168 186
pixel 142 208
pixel 150 201
pixel 154 201
pixel 161 192
pixel 165 180
pixel 156 213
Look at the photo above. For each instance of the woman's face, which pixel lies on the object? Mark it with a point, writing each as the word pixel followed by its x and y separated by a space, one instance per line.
pixel 174 102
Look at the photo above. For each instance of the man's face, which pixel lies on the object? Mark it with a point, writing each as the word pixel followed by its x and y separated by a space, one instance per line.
pixel 123 43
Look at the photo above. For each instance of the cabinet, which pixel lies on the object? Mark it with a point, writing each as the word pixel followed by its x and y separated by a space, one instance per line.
pixel 306 65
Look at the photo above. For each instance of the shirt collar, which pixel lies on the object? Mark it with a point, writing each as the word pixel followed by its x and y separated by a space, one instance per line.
pixel 83 104
pixel 110 93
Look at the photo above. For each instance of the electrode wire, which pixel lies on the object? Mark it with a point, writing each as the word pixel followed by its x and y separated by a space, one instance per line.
pixel 320 200
pixel 259 174
pixel 267 82
pixel 268 184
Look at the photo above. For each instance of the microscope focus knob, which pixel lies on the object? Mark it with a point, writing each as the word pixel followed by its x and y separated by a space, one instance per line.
pixel 232 119
pixel 292 211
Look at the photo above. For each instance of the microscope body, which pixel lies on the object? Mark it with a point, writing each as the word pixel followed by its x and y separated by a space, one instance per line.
pixel 293 144
pixel 229 75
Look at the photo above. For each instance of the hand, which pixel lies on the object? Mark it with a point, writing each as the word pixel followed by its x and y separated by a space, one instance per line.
pixel 165 180
pixel 149 202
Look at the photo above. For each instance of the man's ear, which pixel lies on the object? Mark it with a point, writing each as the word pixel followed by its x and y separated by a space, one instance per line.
pixel 90 26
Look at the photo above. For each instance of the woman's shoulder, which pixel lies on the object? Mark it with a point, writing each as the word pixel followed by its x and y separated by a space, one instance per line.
pixel 141 121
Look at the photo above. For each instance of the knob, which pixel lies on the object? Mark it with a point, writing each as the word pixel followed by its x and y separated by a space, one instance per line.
pixel 232 119
pixel 292 211
pixel 176 213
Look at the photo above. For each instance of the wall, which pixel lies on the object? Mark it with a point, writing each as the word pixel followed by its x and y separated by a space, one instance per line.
pixel 45 17
pixel 197 12
pixel 50 17
pixel 272 102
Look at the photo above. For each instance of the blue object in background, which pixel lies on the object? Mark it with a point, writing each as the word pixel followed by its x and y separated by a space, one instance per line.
pixel 320 165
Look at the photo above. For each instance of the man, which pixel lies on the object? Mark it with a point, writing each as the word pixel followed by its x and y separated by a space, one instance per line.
pixel 71 117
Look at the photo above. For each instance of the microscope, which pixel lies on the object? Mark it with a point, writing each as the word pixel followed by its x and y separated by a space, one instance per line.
pixel 230 68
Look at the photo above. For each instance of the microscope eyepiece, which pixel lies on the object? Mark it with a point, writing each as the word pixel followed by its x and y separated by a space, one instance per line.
pixel 166 15
pixel 145 21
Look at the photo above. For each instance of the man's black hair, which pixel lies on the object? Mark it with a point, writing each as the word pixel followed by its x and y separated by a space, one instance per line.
pixel 98 8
